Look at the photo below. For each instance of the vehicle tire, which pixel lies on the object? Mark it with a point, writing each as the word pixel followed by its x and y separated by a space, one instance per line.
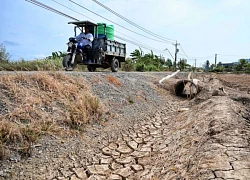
pixel 91 68
pixel 114 65
pixel 67 62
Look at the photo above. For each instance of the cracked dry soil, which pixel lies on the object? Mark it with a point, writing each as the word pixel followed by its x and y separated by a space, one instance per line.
pixel 148 137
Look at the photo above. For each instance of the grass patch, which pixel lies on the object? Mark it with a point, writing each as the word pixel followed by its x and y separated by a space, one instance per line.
pixel 44 103
pixel 54 64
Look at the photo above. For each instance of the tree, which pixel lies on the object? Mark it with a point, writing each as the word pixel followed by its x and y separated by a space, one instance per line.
pixel 58 54
pixel 248 68
pixel 219 64
pixel 182 64
pixel 136 55
pixel 147 62
pixel 169 63
pixel 212 66
pixel 4 56
pixel 242 66
pixel 219 68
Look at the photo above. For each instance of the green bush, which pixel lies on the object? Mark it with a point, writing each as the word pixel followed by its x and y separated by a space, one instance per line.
pixel 218 69
pixel 128 65
pixel 140 67
pixel 151 68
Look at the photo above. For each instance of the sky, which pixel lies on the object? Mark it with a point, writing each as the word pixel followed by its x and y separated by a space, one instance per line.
pixel 202 27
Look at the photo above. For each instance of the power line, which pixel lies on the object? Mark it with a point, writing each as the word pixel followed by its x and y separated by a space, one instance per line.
pixel 169 53
pixel 117 23
pixel 219 59
pixel 37 3
pixel 134 24
pixel 233 55
pixel 203 57
pixel 140 45
pixel 92 19
pixel 132 42
pixel 185 53
pixel 50 9
pixel 73 10
pixel 183 56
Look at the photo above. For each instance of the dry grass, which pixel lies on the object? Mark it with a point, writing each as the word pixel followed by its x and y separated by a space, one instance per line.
pixel 44 103
pixel 36 65
pixel 113 80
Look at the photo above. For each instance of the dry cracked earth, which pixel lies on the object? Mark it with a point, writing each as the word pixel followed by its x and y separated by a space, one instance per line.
pixel 169 138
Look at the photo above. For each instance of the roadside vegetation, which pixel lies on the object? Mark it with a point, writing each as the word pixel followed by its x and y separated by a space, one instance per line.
pixel 243 66
pixel 50 63
pixel 45 103
pixel 151 62
pixel 138 61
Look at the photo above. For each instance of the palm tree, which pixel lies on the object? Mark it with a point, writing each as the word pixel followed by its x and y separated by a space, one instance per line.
pixel 136 55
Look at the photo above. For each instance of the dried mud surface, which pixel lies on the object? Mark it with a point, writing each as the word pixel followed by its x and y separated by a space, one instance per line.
pixel 149 135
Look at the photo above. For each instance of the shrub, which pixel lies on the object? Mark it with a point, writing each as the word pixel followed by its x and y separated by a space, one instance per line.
pixel 151 68
pixel 128 65
pixel 140 67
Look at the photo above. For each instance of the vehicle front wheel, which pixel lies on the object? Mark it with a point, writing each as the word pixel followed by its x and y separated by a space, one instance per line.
pixel 114 65
pixel 91 68
pixel 67 63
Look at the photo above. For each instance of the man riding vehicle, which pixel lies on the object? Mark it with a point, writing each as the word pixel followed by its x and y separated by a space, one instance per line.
pixel 85 42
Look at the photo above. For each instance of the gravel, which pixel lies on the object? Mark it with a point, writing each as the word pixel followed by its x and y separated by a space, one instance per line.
pixel 136 99
pixel 145 136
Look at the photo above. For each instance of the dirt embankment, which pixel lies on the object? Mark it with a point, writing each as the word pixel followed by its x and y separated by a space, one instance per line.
pixel 123 126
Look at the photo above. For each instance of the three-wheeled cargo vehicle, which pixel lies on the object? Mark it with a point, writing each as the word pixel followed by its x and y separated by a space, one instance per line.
pixel 105 51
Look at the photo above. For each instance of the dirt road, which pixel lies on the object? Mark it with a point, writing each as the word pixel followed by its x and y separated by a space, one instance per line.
pixel 150 136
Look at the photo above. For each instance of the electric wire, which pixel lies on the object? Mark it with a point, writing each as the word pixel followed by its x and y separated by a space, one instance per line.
pixel 50 9
pixel 94 20
pixel 140 45
pixel 233 55
pixel 37 3
pixel 132 23
pixel 185 53
pixel 72 10
pixel 203 57
pixel 118 24
pixel 132 42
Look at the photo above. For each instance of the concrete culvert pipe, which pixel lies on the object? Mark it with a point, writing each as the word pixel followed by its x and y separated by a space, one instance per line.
pixel 186 89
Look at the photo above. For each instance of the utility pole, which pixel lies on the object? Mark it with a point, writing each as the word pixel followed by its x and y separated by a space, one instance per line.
pixel 215 59
pixel 176 51
pixel 195 64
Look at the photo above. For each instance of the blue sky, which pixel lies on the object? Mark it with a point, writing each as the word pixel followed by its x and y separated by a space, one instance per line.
pixel 203 27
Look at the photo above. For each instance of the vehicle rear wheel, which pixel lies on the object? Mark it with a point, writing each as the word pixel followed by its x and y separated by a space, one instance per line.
pixel 91 69
pixel 114 65
pixel 67 63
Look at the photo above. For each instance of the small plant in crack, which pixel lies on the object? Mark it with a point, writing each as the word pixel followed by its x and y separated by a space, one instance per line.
pixel 131 100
